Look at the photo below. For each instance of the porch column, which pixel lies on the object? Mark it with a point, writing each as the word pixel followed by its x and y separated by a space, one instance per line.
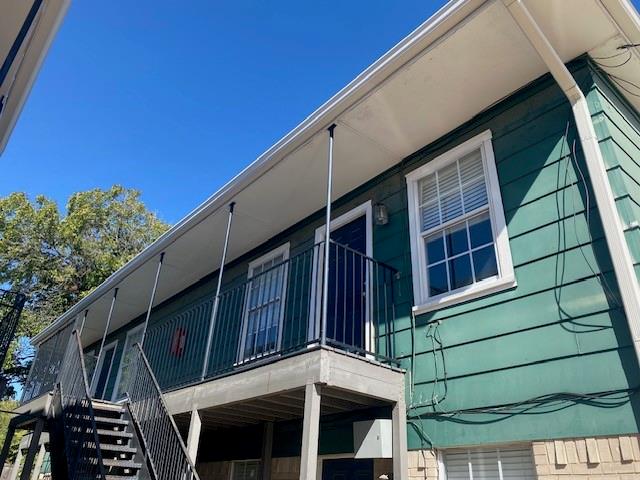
pixel 399 440
pixel 267 449
pixel 39 460
pixel 310 432
pixel 193 438
pixel 33 450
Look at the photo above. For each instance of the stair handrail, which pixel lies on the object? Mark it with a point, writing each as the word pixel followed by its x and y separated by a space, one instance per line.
pixel 147 406
pixel 74 392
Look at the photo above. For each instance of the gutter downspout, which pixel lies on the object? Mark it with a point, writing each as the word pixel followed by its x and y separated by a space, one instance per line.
pixel 613 231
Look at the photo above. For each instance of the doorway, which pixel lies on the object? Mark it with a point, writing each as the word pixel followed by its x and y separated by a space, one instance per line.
pixel 347 469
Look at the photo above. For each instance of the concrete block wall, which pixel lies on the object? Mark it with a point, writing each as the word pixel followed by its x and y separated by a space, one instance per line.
pixel 603 458
pixel 423 465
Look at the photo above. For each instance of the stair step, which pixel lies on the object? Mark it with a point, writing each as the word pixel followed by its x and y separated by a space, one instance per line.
pixel 111 421
pixel 107 406
pixel 113 447
pixel 128 464
pixel 113 433
pixel 126 476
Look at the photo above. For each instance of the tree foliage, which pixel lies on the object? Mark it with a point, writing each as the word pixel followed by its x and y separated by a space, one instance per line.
pixel 56 259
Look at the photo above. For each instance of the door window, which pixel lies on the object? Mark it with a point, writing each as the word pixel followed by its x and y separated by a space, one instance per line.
pixel 246 470
pixel 104 371
pixel 134 336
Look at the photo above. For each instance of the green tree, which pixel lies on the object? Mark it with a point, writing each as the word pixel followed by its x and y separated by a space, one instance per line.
pixel 5 418
pixel 57 259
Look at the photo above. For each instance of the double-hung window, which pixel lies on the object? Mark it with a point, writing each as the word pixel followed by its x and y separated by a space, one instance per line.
pixel 459 242
pixel 264 304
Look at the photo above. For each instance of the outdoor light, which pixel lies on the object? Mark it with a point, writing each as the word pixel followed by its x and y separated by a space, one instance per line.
pixel 381 214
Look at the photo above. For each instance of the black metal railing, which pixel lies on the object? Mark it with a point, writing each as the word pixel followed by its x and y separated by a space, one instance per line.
pixel 164 450
pixel 76 416
pixel 11 304
pixel 46 365
pixel 278 311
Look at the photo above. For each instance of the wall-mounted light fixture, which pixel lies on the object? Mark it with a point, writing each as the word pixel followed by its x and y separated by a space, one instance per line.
pixel 381 214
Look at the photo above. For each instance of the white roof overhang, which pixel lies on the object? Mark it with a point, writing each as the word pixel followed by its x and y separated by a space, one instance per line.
pixel 24 42
pixel 465 58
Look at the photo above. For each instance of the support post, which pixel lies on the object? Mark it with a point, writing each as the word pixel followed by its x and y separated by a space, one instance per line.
pixel 310 432
pixel 152 299
pixel 193 438
pixel 16 465
pixel 267 450
pixel 104 337
pixel 84 320
pixel 327 239
pixel 399 439
pixel 216 300
pixel 35 475
pixel 6 446
pixel 34 445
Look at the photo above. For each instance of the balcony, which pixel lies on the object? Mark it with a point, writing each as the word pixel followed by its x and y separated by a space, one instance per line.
pixel 273 315
pixel 276 313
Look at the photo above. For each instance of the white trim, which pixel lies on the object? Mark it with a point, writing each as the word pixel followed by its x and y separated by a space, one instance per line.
pixel 116 385
pixel 506 277
pixel 99 365
pixel 281 250
pixel 364 209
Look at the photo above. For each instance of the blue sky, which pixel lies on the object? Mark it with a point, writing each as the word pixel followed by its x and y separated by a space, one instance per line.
pixel 174 98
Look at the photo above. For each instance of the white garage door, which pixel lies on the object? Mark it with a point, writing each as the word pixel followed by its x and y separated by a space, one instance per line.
pixel 495 463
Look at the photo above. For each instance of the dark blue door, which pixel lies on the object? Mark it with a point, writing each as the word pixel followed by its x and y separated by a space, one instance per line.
pixel 346 314
pixel 347 469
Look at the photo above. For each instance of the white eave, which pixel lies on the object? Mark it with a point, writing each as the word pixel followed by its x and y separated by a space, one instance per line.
pixel 25 62
pixel 466 57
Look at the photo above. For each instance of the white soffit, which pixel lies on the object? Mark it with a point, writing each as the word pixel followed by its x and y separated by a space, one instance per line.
pixel 479 62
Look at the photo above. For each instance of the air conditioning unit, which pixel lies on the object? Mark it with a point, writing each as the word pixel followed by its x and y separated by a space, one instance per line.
pixel 372 439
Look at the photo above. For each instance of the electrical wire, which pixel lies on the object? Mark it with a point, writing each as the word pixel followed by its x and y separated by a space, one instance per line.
pixel 620 397
pixel 627 60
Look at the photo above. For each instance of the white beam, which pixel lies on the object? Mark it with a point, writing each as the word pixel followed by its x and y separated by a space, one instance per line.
pixel 399 439
pixel 310 432
pixel 193 438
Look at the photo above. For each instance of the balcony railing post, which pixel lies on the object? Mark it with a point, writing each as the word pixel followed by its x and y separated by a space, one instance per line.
pixel 152 299
pixel 216 301
pixel 327 237
pixel 104 336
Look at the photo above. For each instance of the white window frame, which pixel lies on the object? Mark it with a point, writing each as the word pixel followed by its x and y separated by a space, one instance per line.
pixel 100 363
pixel 442 465
pixel 506 276
pixel 281 250
pixel 363 210
pixel 248 460
pixel 116 386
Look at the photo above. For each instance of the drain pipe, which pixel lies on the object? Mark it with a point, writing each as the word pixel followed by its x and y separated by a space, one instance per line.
pixel 613 230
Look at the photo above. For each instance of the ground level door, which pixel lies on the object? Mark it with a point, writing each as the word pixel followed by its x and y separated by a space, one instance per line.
pixel 347 469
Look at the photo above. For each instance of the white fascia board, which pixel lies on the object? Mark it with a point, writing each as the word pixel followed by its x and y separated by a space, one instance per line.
pixel 437 26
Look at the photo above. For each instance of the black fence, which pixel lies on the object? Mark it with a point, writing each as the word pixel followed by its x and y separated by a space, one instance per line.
pixel 163 447
pixel 277 311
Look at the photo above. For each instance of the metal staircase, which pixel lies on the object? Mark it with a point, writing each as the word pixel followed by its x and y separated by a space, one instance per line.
pixel 96 439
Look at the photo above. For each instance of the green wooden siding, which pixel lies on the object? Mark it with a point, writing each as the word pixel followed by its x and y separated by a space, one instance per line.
pixel 618 129
pixel 562 329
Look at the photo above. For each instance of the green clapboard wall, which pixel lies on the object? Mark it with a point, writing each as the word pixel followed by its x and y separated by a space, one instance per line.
pixel 562 328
